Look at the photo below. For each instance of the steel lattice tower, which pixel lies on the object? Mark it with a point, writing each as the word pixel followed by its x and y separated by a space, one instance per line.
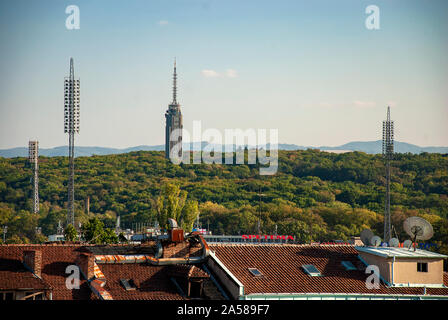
pixel 71 126
pixel 33 157
pixel 388 152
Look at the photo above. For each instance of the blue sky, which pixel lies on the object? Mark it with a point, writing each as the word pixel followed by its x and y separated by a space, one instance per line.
pixel 308 68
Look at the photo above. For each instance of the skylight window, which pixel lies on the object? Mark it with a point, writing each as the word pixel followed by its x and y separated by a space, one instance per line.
pixel 128 284
pixel 255 272
pixel 311 270
pixel 348 265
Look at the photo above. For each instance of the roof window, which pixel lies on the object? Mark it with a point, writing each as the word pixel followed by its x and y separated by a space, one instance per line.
pixel 311 270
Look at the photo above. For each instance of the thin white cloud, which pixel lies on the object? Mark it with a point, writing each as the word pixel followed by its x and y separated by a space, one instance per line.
pixel 162 23
pixel 364 104
pixel 231 73
pixel 210 73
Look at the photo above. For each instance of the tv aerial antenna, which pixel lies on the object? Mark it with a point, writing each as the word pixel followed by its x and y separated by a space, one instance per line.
pixel 418 228
pixel 365 236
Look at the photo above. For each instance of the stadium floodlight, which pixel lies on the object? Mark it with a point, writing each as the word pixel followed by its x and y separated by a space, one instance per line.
pixel 71 126
pixel 388 153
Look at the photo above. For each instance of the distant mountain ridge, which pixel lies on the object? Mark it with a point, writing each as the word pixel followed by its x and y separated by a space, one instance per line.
pixel 371 147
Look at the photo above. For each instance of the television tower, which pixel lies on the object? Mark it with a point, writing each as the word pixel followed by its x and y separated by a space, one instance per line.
pixel 173 118
pixel 33 157
pixel 71 126
pixel 388 152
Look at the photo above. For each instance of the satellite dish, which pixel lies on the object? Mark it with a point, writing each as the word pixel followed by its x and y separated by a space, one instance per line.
pixel 375 241
pixel 393 242
pixel 418 228
pixel 365 236
pixel 407 244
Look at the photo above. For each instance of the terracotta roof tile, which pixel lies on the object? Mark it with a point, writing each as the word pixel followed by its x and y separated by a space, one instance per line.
pixel 152 282
pixel 281 266
pixel 55 259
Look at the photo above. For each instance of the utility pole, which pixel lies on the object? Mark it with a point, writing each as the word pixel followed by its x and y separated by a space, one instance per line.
pixel 259 210
pixel 5 230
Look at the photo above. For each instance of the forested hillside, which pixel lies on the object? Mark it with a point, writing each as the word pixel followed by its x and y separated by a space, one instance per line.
pixel 315 195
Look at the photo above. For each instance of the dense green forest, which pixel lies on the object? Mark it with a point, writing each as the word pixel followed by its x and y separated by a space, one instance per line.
pixel 316 196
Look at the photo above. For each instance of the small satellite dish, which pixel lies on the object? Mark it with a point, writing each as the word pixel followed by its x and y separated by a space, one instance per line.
pixel 393 242
pixel 407 244
pixel 375 241
pixel 365 236
pixel 418 228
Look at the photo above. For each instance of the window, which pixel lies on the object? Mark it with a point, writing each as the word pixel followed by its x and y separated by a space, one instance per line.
pixel 128 284
pixel 422 267
pixel 311 270
pixel 6 296
pixel 348 265
pixel 255 272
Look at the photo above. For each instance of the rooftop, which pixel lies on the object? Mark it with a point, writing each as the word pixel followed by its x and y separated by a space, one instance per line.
pixel 55 260
pixel 157 271
pixel 401 252
pixel 281 266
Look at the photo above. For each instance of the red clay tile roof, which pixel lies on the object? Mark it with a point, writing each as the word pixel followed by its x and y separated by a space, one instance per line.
pixel 13 275
pixel 281 266
pixel 55 259
pixel 152 282
pixel 186 271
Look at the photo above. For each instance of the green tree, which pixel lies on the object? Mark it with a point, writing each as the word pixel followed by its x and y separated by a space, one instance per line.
pixel 189 214
pixel 70 233
pixel 94 232
pixel 169 204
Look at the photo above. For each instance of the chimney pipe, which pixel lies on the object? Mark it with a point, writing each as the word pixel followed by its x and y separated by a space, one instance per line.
pixel 86 263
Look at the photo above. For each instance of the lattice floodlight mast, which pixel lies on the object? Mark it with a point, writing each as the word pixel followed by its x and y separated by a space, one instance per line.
pixel 71 126
pixel 33 157
pixel 388 152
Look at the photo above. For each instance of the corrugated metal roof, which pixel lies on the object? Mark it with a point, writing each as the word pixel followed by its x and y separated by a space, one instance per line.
pixel 401 252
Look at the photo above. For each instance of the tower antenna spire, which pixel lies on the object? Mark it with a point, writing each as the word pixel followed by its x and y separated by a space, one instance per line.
pixel 175 83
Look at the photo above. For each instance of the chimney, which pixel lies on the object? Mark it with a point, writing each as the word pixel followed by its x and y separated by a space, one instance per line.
pixel 176 234
pixel 86 263
pixel 32 259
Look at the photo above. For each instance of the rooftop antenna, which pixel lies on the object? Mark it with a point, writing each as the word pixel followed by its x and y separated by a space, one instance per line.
pixel 175 83
pixel 33 157
pixel 60 229
pixel 71 126
pixel 418 228
pixel 388 152
pixel 365 236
